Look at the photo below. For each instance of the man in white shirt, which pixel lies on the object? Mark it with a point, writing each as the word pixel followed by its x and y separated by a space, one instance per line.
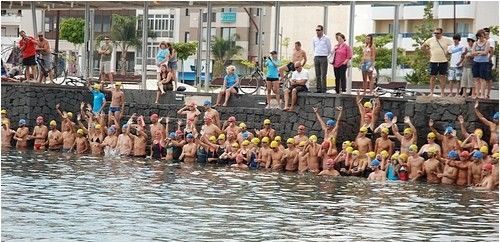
pixel 322 48
pixel 298 83
pixel 455 70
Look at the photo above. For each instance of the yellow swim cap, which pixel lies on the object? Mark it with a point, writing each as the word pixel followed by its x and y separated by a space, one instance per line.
pixel 403 157
pixel 245 143
pixel 302 144
pixel 243 125
pixel 212 139
pixel 222 137
pixel 384 130
pixel 484 149
pixel 368 105
pixel 495 155
pixel 478 133
pixel 70 114
pixel 80 131
pixel 255 141
pixel 349 150
pixel 395 156
pixel 431 135
pixel 355 152
pixel 118 83
pixel 290 141
pixel 371 154
pixel 384 153
pixel 267 121
pixel 274 144
pixel 5 122
pixel 277 138
pixel 363 130
pixel 432 150
pixel 97 86
pixel 97 126
pixel 53 123
pixel 413 148
pixel 3 111
pixel 407 131
pixel 313 138
pixel 347 143
pixel 265 140
pixel 235 145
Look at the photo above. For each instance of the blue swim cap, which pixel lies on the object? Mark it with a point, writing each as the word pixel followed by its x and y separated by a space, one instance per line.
pixel 448 130
pixel 389 115
pixel 375 163
pixel 125 126
pixel 171 135
pixel 495 116
pixel 207 103
pixel 477 154
pixel 330 122
pixel 246 134
pixel 453 154
pixel 22 121
pixel 111 129
pixel 189 136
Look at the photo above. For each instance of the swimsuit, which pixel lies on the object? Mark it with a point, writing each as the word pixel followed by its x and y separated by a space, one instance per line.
pixel 253 164
pixel 201 155
pixel 114 109
pixel 390 173
pixel 158 151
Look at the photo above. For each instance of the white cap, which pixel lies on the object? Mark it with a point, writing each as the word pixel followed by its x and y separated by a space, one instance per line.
pixel 471 36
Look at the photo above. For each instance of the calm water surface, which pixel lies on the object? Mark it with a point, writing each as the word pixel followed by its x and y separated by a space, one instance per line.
pixel 55 197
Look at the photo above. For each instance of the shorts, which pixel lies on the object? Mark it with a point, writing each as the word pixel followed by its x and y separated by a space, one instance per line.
pixel 291 66
pixel 235 88
pixel 366 66
pixel 29 61
pixel 440 68
pixel 299 88
pixel 172 65
pixel 272 79
pixel 167 87
pixel 105 67
pixel 114 109
pixel 481 70
pixel 46 63
pixel 455 74
pixel 467 81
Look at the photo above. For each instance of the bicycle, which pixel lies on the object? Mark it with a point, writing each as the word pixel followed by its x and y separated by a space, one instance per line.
pixel 57 73
pixel 75 81
pixel 286 80
pixel 398 92
pixel 253 82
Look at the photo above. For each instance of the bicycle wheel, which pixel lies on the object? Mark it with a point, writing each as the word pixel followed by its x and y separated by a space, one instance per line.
pixel 250 84
pixel 59 73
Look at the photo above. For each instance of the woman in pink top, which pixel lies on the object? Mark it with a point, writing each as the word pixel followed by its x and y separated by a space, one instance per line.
pixel 342 56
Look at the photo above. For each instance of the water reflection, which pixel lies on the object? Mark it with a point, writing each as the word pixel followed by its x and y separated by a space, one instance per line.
pixel 49 196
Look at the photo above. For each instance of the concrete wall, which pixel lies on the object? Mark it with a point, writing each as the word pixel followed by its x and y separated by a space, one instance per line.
pixel 30 100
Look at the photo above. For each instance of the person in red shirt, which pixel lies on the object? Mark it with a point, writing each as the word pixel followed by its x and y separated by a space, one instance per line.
pixel 27 45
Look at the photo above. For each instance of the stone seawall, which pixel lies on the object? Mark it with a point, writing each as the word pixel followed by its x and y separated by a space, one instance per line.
pixel 30 100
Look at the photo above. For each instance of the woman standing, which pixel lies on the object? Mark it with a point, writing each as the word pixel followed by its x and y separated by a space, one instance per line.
pixel 368 64
pixel 166 81
pixel 481 70
pixel 172 59
pixel 162 57
pixel 342 56
pixel 272 79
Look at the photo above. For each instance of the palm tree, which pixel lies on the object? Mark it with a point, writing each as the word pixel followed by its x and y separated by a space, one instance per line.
pixel 223 51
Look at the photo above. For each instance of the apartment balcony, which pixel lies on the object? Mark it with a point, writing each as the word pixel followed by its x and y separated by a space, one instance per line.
pixel 11 19
pixel 228 17
pixel 464 10
pixel 406 42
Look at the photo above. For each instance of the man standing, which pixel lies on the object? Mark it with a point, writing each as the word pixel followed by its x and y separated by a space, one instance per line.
pixel 99 99
pixel 43 49
pixel 491 41
pixel 322 48
pixel 298 55
pixel 105 52
pixel 117 103
pixel 437 47
pixel 455 74
pixel 298 84
pixel 27 45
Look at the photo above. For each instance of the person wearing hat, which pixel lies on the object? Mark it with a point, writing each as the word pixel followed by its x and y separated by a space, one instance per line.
pixel 473 140
pixel 7 134
pixel 327 151
pixel 244 133
pixel 191 111
pixel 96 135
pixel 55 139
pixel 105 64
pixel 117 105
pixel 409 136
pixel 301 134
pixel 330 128
pixel 109 143
pixel 467 81
pixel 99 100
pixel 462 164
pixel 139 139
pixel 415 162
pixel 383 142
pixel 124 142
pixel 448 139
pixel 40 132
pixel 189 150
pixel 22 135
pixel 488 181
pixel 492 125
pixel 264 151
pixel 403 173
pixel 431 144
pixel 81 143
pixel 212 113
pixel 5 116
pixel 276 158
pixel 377 174
pixel 330 171
pixel 290 156
pixel 431 167
pixel 368 112
pixel 450 172
pixel 43 49
pixel 266 131
pixel 475 175
pixel 363 143
pixel 209 129
pixel 313 151
pixel 230 126
pixel 66 122
pixel 240 162
pixel 177 143
pixel 302 157
pixel 389 120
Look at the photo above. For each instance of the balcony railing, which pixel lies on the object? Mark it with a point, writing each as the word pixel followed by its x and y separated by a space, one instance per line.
pixel 409 35
pixel 229 17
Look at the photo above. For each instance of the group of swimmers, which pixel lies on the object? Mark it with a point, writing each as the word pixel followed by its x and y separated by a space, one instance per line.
pixel 471 161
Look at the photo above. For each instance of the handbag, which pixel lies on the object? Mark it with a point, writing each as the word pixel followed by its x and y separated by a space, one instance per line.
pixel 447 55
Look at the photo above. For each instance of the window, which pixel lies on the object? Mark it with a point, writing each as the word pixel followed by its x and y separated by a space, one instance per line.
pixel 4 12
pixel 257 37
pixel 4 31
pixel 97 23
pixel 390 29
pixel 161 24
pixel 227 10
pixel 48 23
pixel 186 37
pixel 257 13
pixel 187 12
pixel 204 16
pixel 204 33
pixel 462 28
pixel 227 33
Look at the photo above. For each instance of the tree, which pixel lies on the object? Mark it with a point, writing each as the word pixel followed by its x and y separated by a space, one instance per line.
pixel 285 43
pixel 494 73
pixel 419 60
pixel 383 58
pixel 72 30
pixel 124 35
pixel 223 51
pixel 184 51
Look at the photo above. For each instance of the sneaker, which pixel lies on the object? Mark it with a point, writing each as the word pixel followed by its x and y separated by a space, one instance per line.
pixel 268 107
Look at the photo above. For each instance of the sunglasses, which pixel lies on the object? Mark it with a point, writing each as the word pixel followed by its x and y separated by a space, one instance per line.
pixel 319 30
pixel 436 33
